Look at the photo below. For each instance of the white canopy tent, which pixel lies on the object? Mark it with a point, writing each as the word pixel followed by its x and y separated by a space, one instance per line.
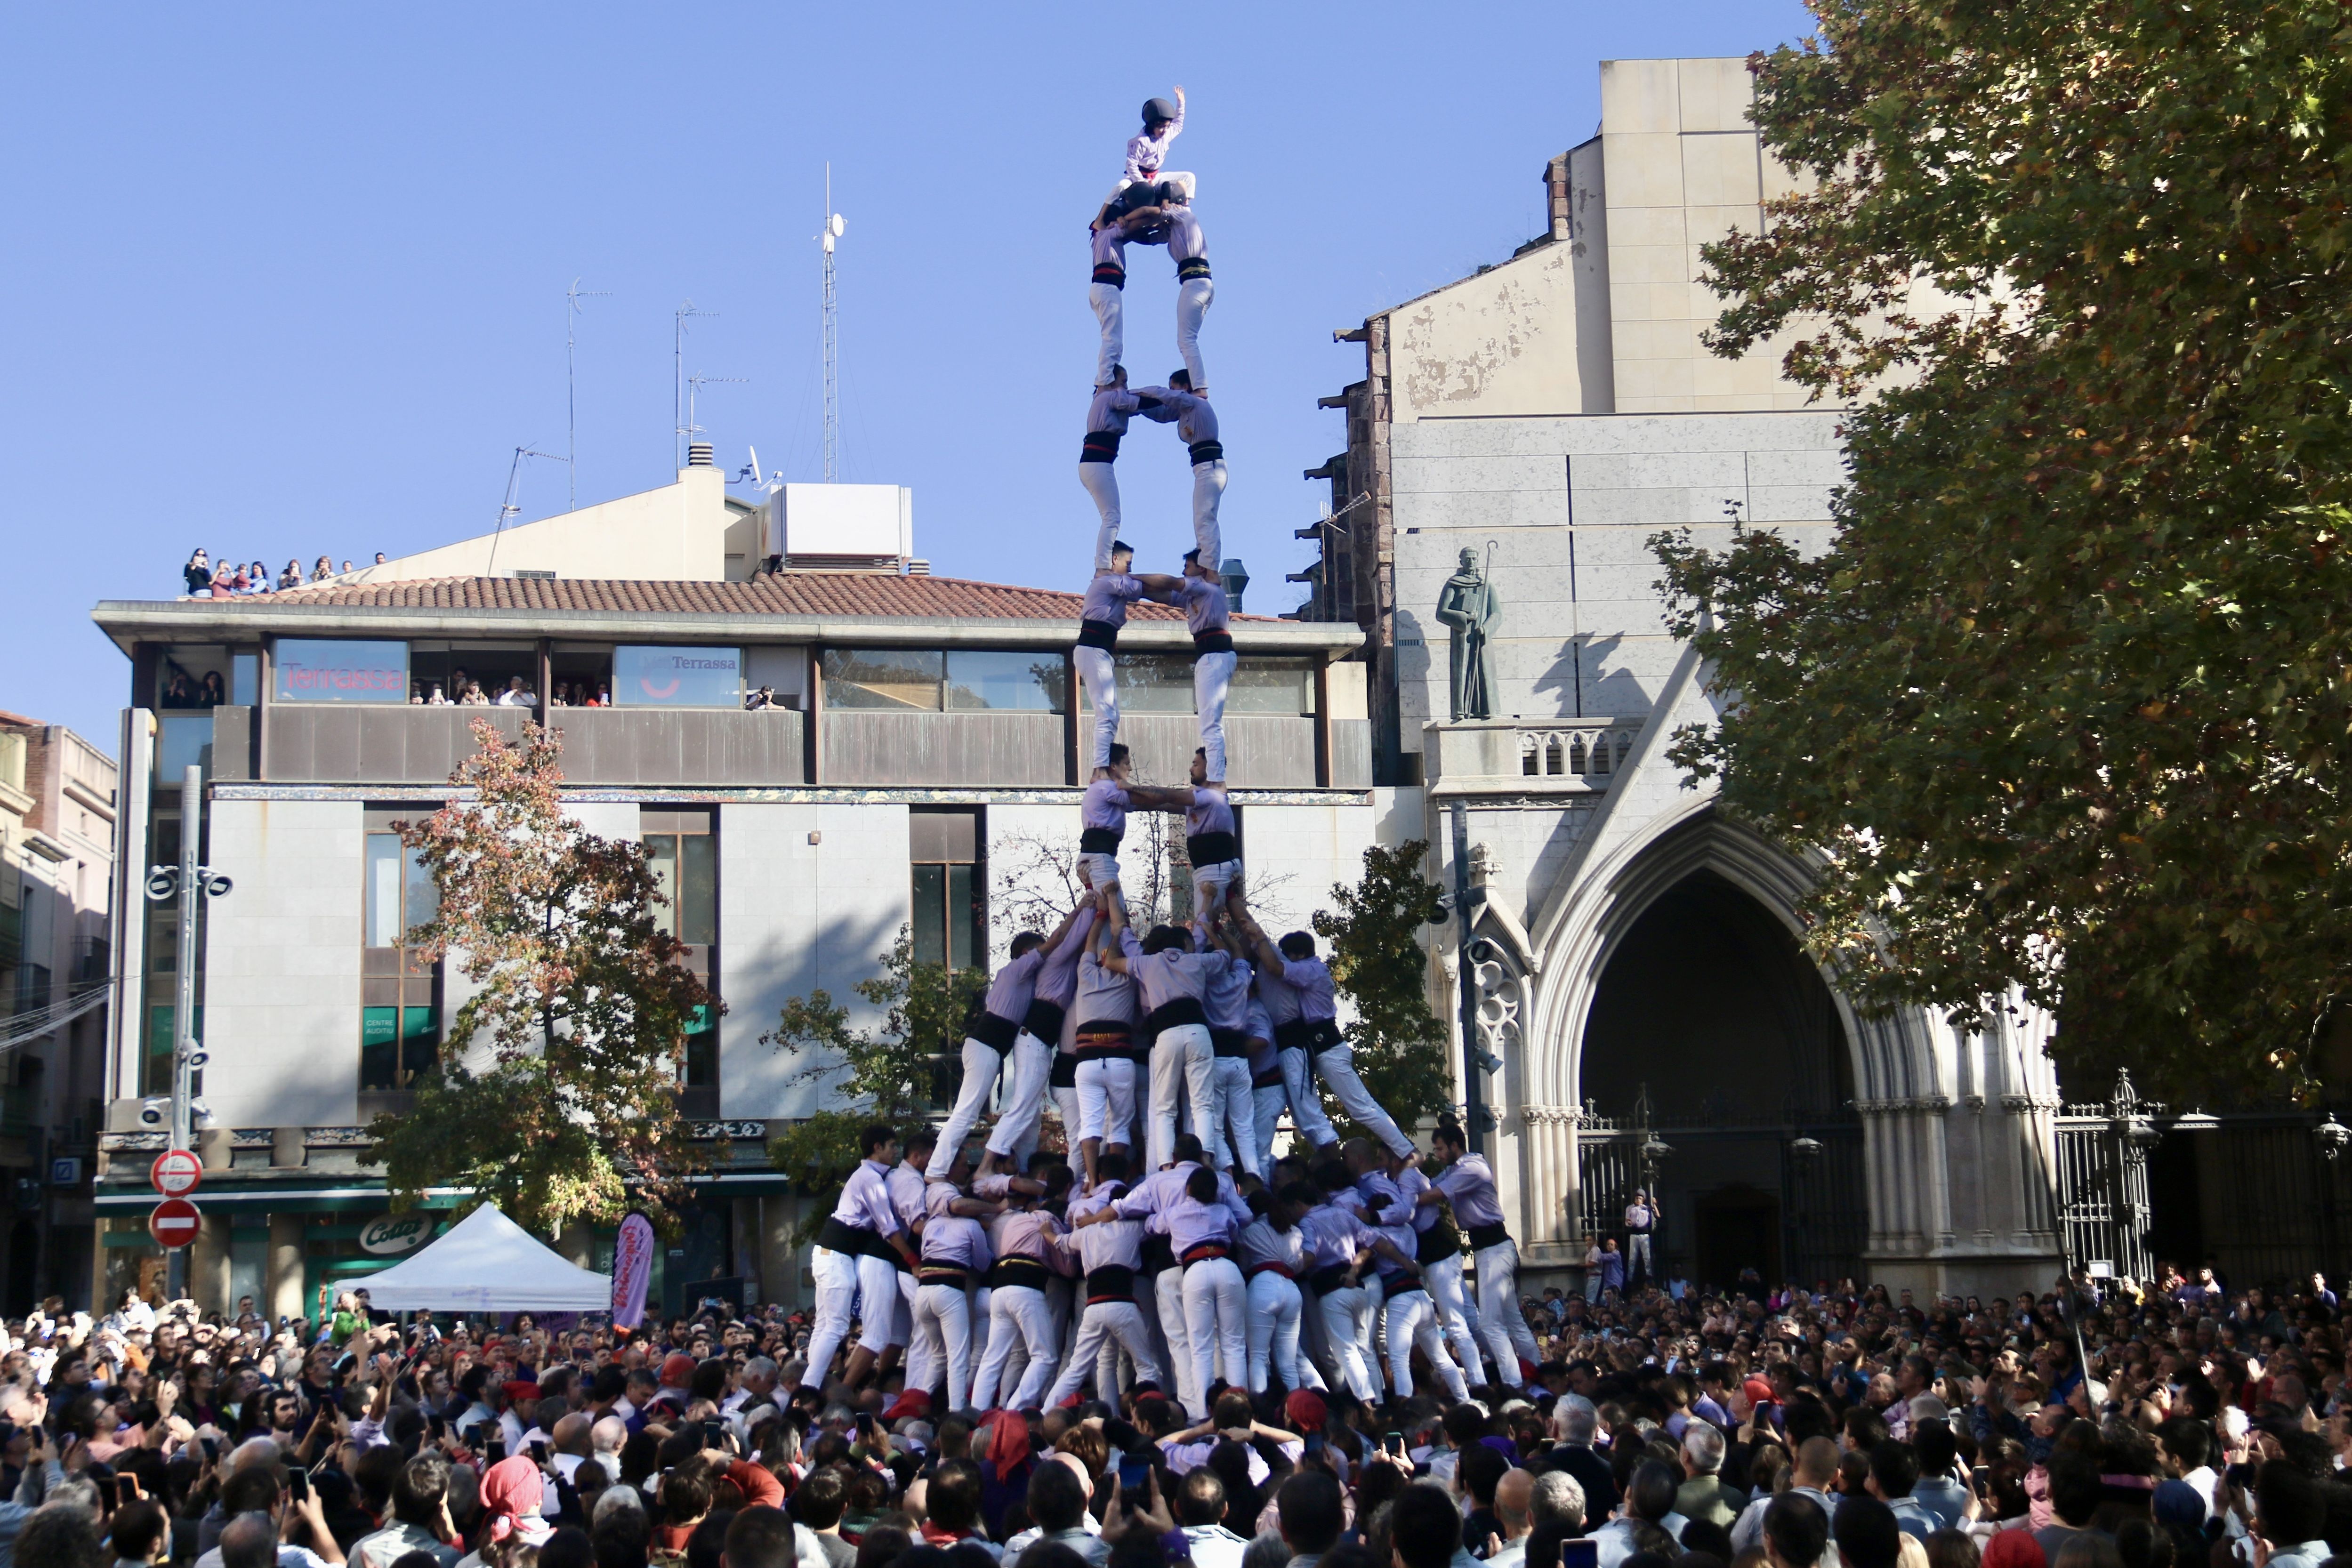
pixel 487 1263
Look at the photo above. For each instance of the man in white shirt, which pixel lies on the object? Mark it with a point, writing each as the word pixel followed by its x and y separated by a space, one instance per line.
pixel 1201 1514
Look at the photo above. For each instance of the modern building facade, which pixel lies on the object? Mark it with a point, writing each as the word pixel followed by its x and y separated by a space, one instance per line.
pixel 919 769
pixel 57 866
pixel 1636 966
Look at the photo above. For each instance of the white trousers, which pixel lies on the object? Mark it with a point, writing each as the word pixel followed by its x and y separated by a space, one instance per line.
pixel 1217 1323
pixel 1305 1102
pixel 1503 1325
pixel 1105 1098
pixel 923 1365
pixel 1032 1064
pixel 1275 1309
pixel 1347 1336
pixel 1337 1069
pixel 1212 677
pixel 1637 1256
pixel 1168 1295
pixel 1233 1119
pixel 1109 300
pixel 1173 1057
pixel 1209 885
pixel 942 1338
pixel 1208 490
pixel 1065 1100
pixel 1101 480
pixel 1105 1324
pixel 1442 1279
pixel 1266 1107
pixel 1412 1320
pixel 878 1304
pixel 1204 1105
pixel 980 1066
pixel 1098 674
pixel 1192 296
pixel 1017 1315
pixel 836 1299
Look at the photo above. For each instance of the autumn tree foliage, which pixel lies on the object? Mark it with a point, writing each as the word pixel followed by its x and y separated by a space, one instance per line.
pixel 1377 963
pixel 555 1095
pixel 2066 706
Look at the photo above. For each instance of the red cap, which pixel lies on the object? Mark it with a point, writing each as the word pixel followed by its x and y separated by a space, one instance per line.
pixel 519 1389
pixel 913 1402
pixel 677 1370
pixel 1758 1391
pixel 1305 1409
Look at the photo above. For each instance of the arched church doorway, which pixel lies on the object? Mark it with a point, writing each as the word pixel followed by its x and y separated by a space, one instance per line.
pixel 1716 1063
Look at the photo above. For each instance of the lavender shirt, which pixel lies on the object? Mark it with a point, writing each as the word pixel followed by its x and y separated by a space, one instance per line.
pixel 1194 420
pixel 1057 979
pixel 1204 606
pixel 1016 985
pixel 1107 597
pixel 1311 979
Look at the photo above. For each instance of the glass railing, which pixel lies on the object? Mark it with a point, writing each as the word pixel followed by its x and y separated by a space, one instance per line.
pixel 182 738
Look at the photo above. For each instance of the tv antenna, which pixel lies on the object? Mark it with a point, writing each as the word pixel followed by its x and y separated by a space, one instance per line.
pixel 572 298
pixel 695 384
pixel 834 224
pixel 510 508
pixel 677 402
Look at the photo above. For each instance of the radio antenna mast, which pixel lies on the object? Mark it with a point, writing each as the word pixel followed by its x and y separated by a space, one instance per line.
pixel 695 384
pixel 677 402
pixel 832 227
pixel 572 298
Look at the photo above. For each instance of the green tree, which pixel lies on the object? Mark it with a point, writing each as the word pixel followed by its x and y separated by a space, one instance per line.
pixel 2065 708
pixel 891 1072
pixel 1379 965
pixel 556 1092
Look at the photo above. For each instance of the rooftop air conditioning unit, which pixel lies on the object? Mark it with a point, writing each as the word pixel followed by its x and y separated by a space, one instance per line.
pixel 840 527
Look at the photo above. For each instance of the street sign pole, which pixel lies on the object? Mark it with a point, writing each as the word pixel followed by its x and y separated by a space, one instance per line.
pixel 184 1011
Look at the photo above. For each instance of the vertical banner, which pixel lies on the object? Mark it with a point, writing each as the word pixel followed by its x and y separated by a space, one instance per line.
pixel 632 1270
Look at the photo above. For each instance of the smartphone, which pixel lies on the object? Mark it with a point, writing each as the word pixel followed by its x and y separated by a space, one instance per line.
pixel 538 1452
pixel 1135 1477
pixel 714 1431
pixel 1394 1443
pixel 212 1449
pixel 432 1424
pixel 494 1449
pixel 1585 1554
pixel 297 1482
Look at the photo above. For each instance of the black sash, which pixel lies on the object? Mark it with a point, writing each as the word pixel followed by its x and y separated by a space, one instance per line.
pixel 1270 1078
pixel 1019 1272
pixel 1172 1015
pixel 840 1236
pixel 1159 1255
pixel 954 1274
pixel 997 1033
pixel 1103 1040
pixel 1212 849
pixel 1316 1035
pixel 1099 634
pixel 1044 1020
pixel 1395 1285
pixel 1191 268
pixel 1229 1041
pixel 1217 642
pixel 1484 1236
pixel 1326 1280
pixel 1110 272
pixel 1100 841
pixel 1111 1282
pixel 1206 452
pixel 1066 1072
pixel 1100 446
pixel 1439 1242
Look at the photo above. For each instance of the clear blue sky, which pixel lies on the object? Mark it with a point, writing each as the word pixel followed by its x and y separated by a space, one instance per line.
pixel 288 279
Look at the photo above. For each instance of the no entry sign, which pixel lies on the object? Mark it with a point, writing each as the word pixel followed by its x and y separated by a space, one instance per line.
pixel 174 1222
pixel 176 1173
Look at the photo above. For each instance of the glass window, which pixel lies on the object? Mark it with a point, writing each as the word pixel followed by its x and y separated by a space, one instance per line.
pixel 245 679
pixel 400 892
pixel 192 676
pixel 677 677
pixel 949 919
pixel 318 671
pixel 906 679
pixel 397 1046
pixel 686 870
pixel 580 674
pixel 399 1034
pixel 1272 685
pixel 701 1069
pixel 1155 682
pixel 1035 682
pixel 470 674
pixel 182 738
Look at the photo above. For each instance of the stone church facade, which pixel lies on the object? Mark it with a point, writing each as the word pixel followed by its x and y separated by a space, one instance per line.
pixel 1638 987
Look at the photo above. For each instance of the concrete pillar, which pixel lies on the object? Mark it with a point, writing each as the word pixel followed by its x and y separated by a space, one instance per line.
pixel 208 1263
pixel 212 1148
pixel 285 1147
pixel 283 1282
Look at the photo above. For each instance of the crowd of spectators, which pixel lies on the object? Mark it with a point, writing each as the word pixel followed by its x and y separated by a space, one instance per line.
pixel 230 580
pixel 2160 1426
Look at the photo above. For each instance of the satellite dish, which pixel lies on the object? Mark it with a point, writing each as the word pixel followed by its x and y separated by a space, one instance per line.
pixel 837 224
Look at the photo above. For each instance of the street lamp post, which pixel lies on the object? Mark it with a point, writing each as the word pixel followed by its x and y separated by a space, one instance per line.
pixel 191 883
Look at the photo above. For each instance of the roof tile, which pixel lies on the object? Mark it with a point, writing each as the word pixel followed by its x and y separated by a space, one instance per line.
pixel 844 593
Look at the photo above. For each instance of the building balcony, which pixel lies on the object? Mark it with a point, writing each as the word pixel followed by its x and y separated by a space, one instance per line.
pixel 1563 757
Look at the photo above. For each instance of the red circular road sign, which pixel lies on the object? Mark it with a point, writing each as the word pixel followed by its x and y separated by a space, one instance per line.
pixel 174 1222
pixel 176 1173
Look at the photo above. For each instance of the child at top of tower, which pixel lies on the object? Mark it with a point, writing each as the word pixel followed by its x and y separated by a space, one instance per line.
pixel 1141 180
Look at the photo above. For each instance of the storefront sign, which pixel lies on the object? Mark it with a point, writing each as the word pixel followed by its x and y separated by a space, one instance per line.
pixel 677 677
pixel 395 1233
pixel 633 1270
pixel 314 670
